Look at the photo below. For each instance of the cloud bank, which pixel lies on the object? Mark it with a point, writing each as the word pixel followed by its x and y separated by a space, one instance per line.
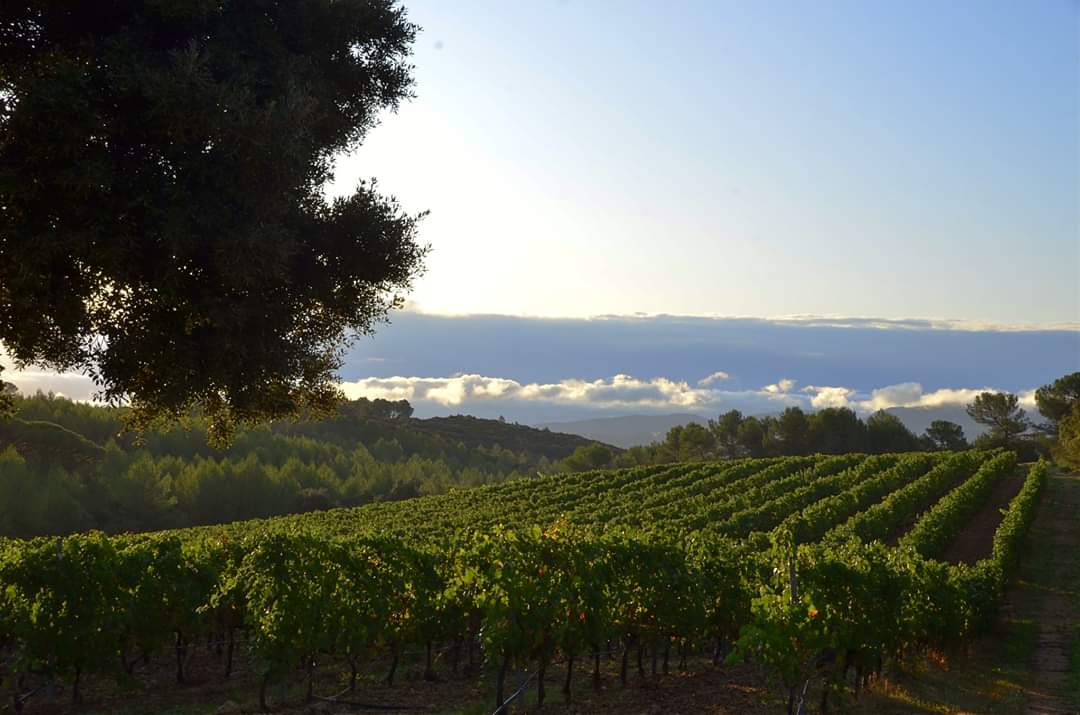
pixel 659 394
pixel 545 370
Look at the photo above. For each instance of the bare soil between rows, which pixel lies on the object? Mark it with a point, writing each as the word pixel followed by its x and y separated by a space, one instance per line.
pixel 976 541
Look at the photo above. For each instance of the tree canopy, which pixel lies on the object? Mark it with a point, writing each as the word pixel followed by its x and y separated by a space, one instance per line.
pixel 163 226
pixel 1001 413
pixel 1056 400
pixel 946 435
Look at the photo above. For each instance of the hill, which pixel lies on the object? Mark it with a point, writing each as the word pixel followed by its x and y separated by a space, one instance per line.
pixel 625 431
pixel 917 419
pixel 55 451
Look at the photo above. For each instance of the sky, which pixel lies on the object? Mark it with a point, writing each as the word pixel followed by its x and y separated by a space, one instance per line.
pixel 696 206
pixel 915 159
pixel 540 370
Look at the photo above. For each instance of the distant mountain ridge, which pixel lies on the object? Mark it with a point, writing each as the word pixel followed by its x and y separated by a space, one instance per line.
pixel 625 431
pixel 629 430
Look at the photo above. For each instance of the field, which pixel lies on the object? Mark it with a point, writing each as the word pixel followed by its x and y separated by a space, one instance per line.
pixel 750 585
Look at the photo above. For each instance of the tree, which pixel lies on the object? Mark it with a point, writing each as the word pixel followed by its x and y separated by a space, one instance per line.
pixel 946 436
pixel 886 433
pixel 726 431
pixel 163 226
pixel 837 430
pixel 695 443
pixel 1001 413
pixel 7 398
pixel 1067 448
pixel 588 457
pixel 751 437
pixel 1056 400
pixel 792 432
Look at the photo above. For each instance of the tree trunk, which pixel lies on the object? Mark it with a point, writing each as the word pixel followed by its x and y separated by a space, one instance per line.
pixel 429 671
pixel 181 651
pixel 262 693
pixel 667 655
pixel 640 661
pixel 500 684
pixel 352 673
pixel 310 679
pixel 541 671
pixel 569 676
pixel 229 652
pixel 393 667
pixel 654 654
pixel 622 670
pixel 596 668
pixel 718 650
pixel 76 696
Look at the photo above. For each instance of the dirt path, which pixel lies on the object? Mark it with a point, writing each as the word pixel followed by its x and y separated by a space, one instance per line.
pixel 1052 579
pixel 977 539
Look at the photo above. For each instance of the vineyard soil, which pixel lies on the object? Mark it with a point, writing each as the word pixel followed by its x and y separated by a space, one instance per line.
pixel 977 538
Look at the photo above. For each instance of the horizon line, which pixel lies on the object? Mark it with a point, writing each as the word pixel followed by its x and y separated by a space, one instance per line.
pixel 798 319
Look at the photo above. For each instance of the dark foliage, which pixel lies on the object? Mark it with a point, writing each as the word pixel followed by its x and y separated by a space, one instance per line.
pixel 162 220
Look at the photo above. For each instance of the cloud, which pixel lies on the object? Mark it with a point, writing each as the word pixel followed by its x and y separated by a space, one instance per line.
pixel 904 394
pixel 620 390
pixel 780 387
pixel 901 395
pixel 822 397
pixel 800 320
pixel 625 392
pixel 718 376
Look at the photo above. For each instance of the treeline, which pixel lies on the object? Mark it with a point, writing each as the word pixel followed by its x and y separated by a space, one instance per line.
pixel 794 432
pixel 66 466
pixel 839 430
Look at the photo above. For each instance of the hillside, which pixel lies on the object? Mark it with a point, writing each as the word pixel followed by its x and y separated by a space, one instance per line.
pixel 72 466
pixel 476 432
pixel 452 594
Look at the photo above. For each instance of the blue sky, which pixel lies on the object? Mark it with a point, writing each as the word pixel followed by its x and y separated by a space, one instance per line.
pixel 915 159
pixel 677 164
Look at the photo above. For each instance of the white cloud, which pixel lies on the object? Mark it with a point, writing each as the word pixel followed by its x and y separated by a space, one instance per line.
pixel 626 391
pixel 718 376
pixel 780 387
pixel 822 397
pixel 910 394
pixel 901 395
pixel 1027 400
pixel 904 394
pixel 459 389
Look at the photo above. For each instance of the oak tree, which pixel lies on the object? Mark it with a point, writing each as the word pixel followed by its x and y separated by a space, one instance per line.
pixel 163 223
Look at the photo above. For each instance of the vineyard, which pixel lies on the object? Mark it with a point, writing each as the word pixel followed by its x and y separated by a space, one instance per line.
pixel 817 568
